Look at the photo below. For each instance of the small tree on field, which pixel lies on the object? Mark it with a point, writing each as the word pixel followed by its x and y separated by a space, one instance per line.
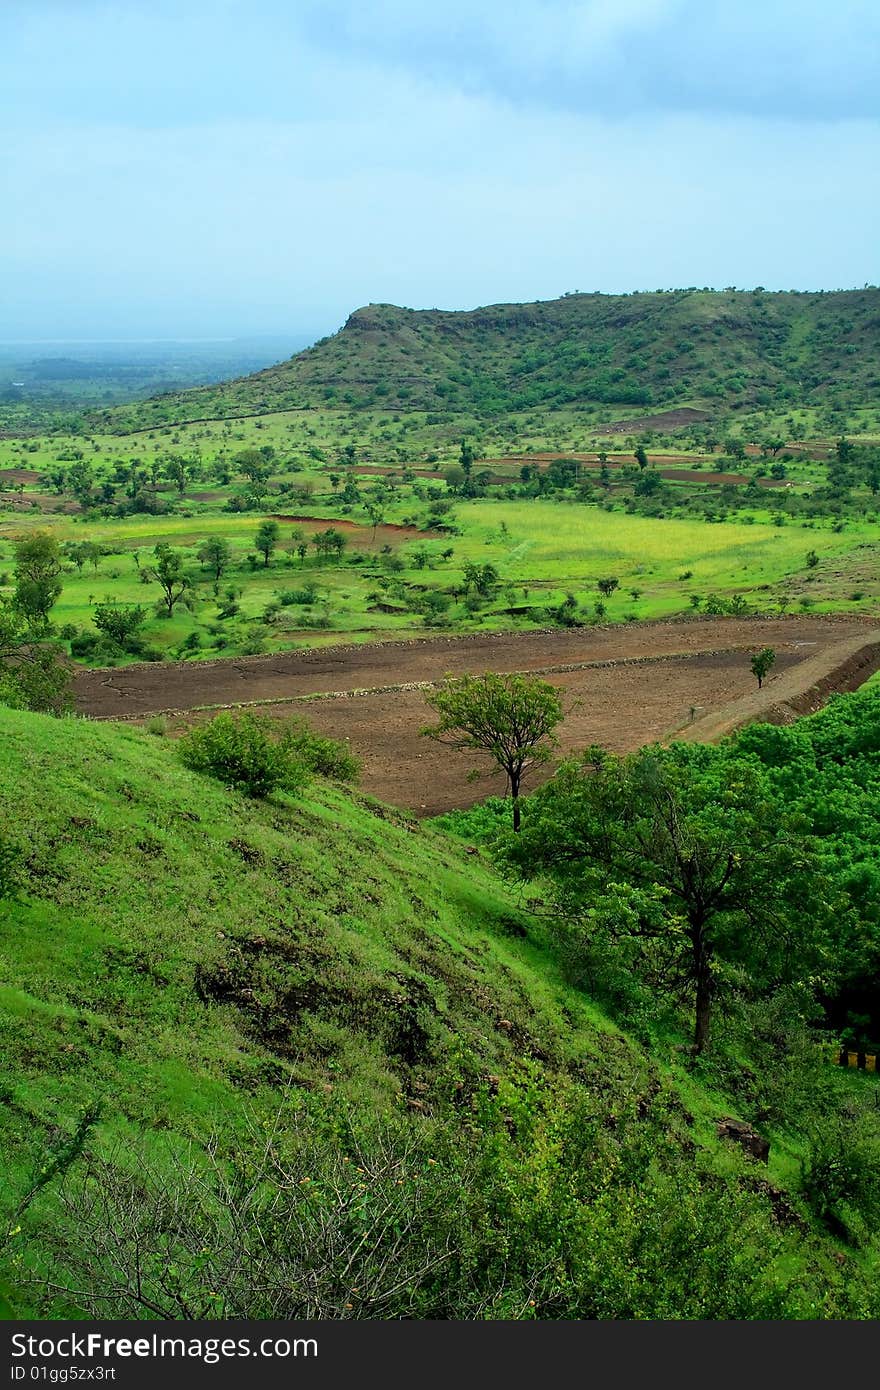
pixel 606 587
pixel 761 663
pixel 119 622
pixel 169 574
pixel 512 718
pixel 177 472
pixel 267 539
pixel 216 555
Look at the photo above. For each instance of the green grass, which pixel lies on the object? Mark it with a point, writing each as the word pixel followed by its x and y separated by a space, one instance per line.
pixel 559 546
pixel 541 550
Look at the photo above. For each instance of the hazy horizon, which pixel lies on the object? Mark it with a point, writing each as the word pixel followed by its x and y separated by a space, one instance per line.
pixel 222 171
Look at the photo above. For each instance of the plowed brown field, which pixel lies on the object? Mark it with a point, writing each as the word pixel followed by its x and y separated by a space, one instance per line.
pixel 622 686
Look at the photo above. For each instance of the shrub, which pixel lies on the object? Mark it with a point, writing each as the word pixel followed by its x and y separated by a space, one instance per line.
pixel 241 753
pixel 329 757
pixel 841 1177
pixel 305 596
pixel 40 681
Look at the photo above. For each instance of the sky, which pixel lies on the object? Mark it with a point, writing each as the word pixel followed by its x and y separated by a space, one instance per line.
pixel 192 168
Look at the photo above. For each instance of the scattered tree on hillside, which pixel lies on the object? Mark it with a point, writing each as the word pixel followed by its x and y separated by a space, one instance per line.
pixel 32 673
pixel 512 718
pixel 376 514
pixel 329 542
pixel 267 539
pixel 119 622
pixel 177 472
pixel 480 579
pixel 168 572
pixel 216 555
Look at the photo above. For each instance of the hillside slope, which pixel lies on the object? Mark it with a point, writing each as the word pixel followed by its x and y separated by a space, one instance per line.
pixel 183 969
pixel 702 348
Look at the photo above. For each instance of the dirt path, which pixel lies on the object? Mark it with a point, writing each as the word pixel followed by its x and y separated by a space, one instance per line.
pixel 794 691
pixel 622 687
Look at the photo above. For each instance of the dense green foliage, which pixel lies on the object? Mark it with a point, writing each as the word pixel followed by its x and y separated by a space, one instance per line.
pixel 244 753
pixel 685 869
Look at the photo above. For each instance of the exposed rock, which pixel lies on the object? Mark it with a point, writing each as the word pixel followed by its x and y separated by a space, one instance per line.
pixel 750 1140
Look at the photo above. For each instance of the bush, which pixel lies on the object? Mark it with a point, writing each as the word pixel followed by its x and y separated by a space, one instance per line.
pixel 240 753
pixel 329 757
pixel 305 596
pixel 39 680
pixel 841 1177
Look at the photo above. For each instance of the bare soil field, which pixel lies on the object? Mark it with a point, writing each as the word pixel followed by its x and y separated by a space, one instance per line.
pixel 10 476
pixel 359 533
pixel 665 420
pixel 622 687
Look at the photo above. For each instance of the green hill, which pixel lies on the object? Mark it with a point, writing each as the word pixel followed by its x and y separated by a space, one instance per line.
pixel 703 349
pixel 309 1058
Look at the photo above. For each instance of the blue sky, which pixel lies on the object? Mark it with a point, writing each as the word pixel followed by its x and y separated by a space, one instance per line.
pixel 216 167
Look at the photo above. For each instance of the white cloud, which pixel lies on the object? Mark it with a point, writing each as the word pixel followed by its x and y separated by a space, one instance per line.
pixel 190 170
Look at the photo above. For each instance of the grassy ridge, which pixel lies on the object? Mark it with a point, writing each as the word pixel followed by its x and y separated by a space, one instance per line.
pixel 710 349
pixel 184 959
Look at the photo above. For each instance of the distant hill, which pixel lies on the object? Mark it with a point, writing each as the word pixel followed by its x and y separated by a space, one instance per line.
pixel 701 348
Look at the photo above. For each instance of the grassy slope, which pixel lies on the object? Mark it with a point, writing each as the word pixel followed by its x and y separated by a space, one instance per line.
pixel 177 953
pixel 642 351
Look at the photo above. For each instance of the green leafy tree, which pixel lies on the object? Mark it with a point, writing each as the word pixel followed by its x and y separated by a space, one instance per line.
pixel 688 861
pixel 80 482
pixel 511 718
pixel 266 540
pixel 37 577
pixel 177 472
pixel 480 579
pixel 169 574
pixel 761 664
pixel 253 465
pixel 119 622
pixel 33 674
pixel 216 555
